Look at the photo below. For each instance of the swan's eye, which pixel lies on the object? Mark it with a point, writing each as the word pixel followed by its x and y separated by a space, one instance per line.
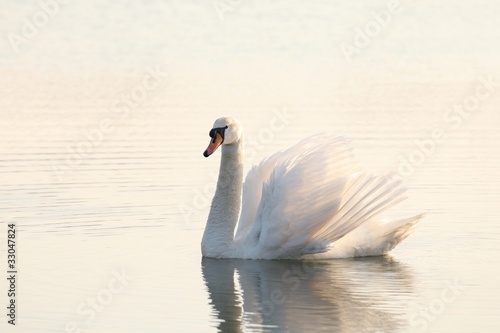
pixel 219 130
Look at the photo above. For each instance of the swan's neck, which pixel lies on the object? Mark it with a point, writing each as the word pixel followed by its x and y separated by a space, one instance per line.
pixel 218 239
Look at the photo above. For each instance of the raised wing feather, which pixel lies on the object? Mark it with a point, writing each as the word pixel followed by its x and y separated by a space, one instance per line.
pixel 293 195
pixel 260 174
pixel 301 200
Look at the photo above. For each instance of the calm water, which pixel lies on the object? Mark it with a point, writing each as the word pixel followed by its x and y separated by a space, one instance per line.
pixel 105 115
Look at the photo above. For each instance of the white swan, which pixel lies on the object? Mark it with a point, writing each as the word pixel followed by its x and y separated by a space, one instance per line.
pixel 310 201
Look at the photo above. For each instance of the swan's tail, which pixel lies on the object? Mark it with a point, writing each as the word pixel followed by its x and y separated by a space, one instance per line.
pixel 397 230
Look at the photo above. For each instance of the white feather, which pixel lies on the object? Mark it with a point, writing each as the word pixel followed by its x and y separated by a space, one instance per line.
pixel 314 201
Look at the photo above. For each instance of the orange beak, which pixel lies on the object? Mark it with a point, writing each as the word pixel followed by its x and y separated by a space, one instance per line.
pixel 215 142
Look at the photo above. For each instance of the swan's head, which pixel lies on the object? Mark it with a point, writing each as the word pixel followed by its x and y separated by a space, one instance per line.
pixel 226 131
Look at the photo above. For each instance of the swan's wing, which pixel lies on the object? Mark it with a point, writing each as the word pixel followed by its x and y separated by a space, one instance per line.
pixel 252 191
pixel 314 195
pixel 260 174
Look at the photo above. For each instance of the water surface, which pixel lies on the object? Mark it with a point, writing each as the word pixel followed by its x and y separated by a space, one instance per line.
pixel 109 237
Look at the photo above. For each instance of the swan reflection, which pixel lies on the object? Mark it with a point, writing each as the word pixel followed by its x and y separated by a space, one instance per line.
pixel 349 295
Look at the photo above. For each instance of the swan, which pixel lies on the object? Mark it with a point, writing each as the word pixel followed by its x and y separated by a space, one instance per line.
pixel 311 201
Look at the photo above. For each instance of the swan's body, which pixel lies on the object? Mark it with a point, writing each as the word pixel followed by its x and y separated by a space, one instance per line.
pixel 310 201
